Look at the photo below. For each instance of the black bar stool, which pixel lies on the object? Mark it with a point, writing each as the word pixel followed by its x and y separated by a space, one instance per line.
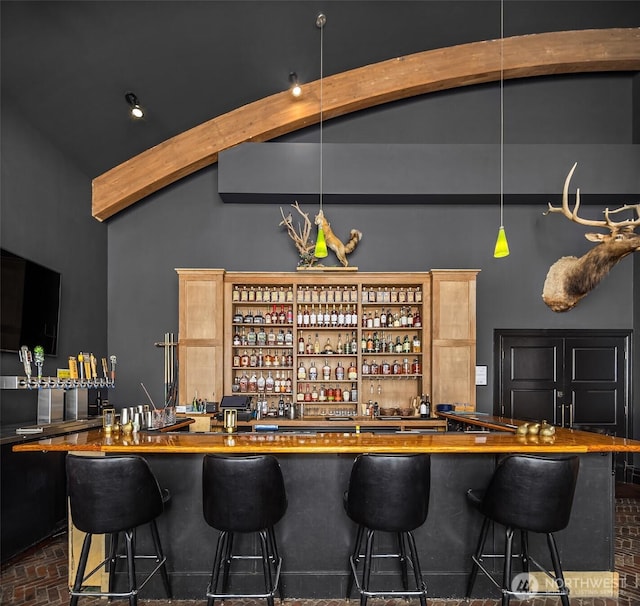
pixel 113 495
pixel 387 493
pixel 530 494
pixel 243 494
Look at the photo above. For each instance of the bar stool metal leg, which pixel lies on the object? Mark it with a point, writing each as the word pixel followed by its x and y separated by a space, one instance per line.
pixel 557 568
pixel 403 561
pixel 82 564
pixel 506 576
pixel 354 560
pixel 417 572
pixel 478 556
pixel 160 558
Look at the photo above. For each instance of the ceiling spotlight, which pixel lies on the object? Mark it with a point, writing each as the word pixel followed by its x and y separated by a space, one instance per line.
pixel 135 110
pixel 296 90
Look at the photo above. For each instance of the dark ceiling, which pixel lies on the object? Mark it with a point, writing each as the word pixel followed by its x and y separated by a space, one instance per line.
pixel 66 66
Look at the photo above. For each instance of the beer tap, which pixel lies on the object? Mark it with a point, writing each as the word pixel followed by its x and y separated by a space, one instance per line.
pixel 113 360
pixel 87 366
pixel 81 366
pixel 94 369
pixel 38 353
pixel 105 372
pixel 26 358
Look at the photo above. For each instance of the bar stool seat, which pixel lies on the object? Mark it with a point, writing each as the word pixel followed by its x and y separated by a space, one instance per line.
pixel 114 496
pixel 390 494
pixel 526 493
pixel 243 494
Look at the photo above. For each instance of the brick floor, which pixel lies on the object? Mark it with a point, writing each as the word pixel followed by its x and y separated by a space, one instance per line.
pixel 38 577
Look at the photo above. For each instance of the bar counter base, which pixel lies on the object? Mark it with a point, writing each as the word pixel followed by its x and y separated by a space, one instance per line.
pixel 315 536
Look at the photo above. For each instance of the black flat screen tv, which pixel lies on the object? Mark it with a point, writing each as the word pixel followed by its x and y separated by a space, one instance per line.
pixel 30 304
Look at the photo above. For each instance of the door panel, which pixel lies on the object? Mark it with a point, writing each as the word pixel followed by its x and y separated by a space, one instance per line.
pixel 572 378
pixel 532 366
pixel 530 404
pixel 597 369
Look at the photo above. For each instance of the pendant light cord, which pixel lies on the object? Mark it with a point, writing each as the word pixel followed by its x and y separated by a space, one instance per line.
pixel 501 112
pixel 321 20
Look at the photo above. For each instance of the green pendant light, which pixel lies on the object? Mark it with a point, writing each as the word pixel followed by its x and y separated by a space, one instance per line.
pixel 501 248
pixel 321 251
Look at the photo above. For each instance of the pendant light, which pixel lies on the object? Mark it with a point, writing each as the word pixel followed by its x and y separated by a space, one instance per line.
pixel 502 246
pixel 321 251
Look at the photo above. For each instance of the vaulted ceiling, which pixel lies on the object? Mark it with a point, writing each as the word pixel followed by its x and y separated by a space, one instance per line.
pixel 66 65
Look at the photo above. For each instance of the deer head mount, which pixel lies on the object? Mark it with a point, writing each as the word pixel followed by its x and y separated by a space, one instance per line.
pixel 570 278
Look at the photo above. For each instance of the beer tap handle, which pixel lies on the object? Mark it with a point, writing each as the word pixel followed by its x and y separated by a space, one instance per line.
pixel 113 367
pixel 87 366
pixel 38 354
pixel 73 368
pixel 25 358
pixel 81 365
pixel 94 366
pixel 105 368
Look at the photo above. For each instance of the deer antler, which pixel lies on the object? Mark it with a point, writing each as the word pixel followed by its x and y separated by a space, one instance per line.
pixel 627 224
pixel 301 236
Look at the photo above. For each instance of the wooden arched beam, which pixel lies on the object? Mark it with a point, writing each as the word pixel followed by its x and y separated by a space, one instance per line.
pixel 361 88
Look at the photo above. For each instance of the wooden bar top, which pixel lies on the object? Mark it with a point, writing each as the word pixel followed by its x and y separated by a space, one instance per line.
pixel 565 440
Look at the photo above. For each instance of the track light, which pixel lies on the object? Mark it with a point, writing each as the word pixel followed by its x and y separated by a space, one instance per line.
pixel 295 89
pixel 135 109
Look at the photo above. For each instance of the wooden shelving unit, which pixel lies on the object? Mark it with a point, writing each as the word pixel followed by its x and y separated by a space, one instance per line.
pixel 334 342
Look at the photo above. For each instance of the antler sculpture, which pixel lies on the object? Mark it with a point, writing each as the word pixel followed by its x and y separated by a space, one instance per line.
pixel 300 235
pixel 570 278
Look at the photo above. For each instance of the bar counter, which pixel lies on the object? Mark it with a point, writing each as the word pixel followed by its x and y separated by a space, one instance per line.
pixel 502 440
pixel 315 535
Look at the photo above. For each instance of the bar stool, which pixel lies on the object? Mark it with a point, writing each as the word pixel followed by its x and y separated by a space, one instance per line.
pixel 113 495
pixel 387 493
pixel 530 494
pixel 243 494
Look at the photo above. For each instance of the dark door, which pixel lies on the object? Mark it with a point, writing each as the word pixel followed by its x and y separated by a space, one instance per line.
pixel 577 379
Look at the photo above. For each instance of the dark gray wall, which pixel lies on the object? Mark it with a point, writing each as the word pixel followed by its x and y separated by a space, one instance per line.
pixel 46 218
pixel 187 225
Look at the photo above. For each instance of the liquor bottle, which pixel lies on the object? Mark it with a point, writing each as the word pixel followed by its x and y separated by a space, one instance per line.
pixel 282 316
pixel 269 383
pixel 326 371
pixel 253 383
pixel 316 345
pixel 328 348
pixel 352 371
pixel 300 343
pixel 339 346
pixel 274 315
pixel 326 318
pixel 313 371
pixel 416 346
pixel 416 369
pixel 309 348
pixel 261 383
pixel 339 372
pixel 302 372
pixel 244 383
pixel 313 318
